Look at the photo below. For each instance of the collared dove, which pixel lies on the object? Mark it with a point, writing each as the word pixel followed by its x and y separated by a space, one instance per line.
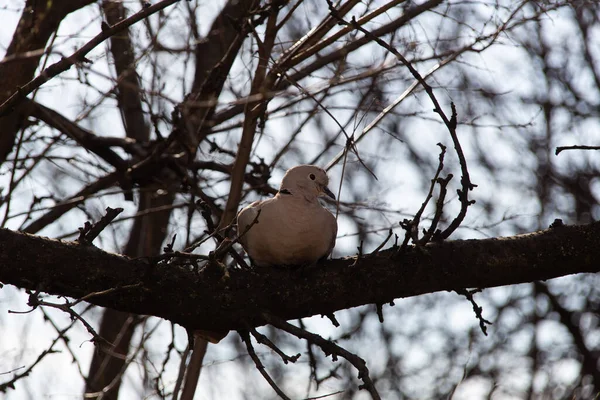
pixel 292 227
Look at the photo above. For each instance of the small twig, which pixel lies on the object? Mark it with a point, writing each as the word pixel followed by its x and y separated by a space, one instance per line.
pixel 358 255
pixel 206 213
pixel 89 232
pixel 407 225
pixel 312 360
pixel 11 383
pixel 66 307
pixel 390 232
pixel 439 207
pixel 465 180
pixel 350 144
pixel 177 254
pixel 329 348
pixel 181 374
pixel 337 201
pixel 12 370
pixel 66 339
pixel 226 246
pixel 34 302
pixel 476 308
pixel 169 247
pixel 158 380
pixel 417 218
pixel 379 307
pixel 107 291
pixel 262 339
pixel 324 396
pixel 211 229
pixel 563 148
pixel 332 318
pixel 259 365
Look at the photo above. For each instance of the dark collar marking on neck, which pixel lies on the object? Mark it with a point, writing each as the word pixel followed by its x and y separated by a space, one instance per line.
pixel 284 191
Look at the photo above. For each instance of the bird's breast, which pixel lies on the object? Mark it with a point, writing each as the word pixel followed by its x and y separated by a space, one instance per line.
pixel 292 238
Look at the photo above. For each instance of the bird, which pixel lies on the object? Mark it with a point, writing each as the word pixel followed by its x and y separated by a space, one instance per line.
pixel 292 228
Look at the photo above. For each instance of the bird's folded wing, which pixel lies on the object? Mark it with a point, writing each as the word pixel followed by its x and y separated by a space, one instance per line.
pixel 245 218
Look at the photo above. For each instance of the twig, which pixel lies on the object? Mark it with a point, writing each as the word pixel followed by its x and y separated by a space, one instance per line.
pixel 476 308
pixel 391 107
pixel 107 291
pixel 325 395
pixel 407 225
pixel 12 370
pixel 450 123
pixel 562 148
pixel 390 232
pixel 61 208
pixel 329 348
pixel 312 360
pixel 180 375
pixel 350 143
pixel 66 307
pixel 332 318
pixel 259 365
pixel 337 200
pixel 169 246
pixel 225 246
pixel 177 254
pixel 158 380
pixel 379 308
pixel 79 56
pixel 66 338
pixel 465 180
pixel 97 145
pixel 414 231
pixel 439 207
pixel 206 213
pixel 89 232
pixel 358 255
pixel 222 249
pixel 262 339
pixel 11 383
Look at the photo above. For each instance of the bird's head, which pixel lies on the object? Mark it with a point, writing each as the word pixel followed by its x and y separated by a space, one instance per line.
pixel 309 180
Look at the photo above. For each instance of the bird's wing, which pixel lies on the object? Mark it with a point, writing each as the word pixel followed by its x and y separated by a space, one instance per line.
pixel 245 218
pixel 333 228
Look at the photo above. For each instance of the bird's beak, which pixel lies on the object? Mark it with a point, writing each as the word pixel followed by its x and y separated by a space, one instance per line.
pixel 328 192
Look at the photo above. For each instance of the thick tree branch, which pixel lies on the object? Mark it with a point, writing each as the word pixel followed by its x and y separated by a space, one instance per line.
pixel 174 292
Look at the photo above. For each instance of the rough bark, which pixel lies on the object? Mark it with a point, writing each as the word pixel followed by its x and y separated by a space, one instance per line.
pixel 175 293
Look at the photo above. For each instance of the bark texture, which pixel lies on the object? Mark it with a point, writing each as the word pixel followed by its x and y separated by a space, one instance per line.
pixel 204 300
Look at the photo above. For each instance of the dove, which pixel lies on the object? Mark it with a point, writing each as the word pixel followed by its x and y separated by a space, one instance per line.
pixel 292 228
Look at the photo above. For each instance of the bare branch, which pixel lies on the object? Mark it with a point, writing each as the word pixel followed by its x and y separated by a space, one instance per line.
pixel 259 365
pixel 79 56
pixel 329 348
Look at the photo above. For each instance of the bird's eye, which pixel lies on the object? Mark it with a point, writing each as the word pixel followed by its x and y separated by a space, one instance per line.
pixel 312 176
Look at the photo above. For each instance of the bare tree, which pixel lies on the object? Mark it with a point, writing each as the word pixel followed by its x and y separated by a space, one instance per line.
pixel 134 131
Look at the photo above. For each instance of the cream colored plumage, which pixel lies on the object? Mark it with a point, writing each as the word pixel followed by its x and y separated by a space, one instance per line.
pixel 292 227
